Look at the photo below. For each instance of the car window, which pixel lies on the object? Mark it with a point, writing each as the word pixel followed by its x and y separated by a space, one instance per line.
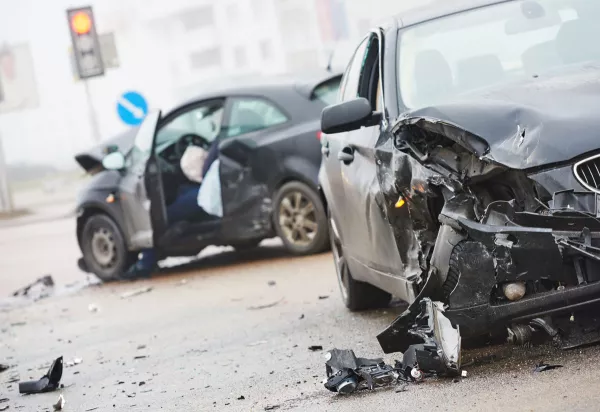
pixel 142 144
pixel 250 114
pixel 451 56
pixel 327 92
pixel 204 120
pixel 349 88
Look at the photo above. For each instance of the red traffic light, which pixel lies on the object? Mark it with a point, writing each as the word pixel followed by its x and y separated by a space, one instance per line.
pixel 81 23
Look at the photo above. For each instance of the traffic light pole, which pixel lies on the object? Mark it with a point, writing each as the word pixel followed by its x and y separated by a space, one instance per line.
pixel 6 203
pixel 92 112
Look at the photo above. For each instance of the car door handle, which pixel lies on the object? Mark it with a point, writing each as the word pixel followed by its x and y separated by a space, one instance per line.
pixel 325 151
pixel 346 155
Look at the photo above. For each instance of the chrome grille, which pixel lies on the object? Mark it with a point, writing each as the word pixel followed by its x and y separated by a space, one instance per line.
pixel 587 173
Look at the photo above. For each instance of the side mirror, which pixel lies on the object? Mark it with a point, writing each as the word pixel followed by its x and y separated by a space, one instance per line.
pixel 348 116
pixel 114 161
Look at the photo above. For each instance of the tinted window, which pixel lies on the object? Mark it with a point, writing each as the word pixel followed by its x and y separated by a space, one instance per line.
pixel 349 90
pixel 327 92
pixel 450 56
pixel 252 114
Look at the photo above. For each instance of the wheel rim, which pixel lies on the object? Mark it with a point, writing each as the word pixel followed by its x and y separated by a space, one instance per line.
pixel 104 248
pixel 298 219
pixel 341 268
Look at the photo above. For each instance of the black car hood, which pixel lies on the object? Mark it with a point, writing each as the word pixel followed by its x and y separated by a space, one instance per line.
pixel 549 119
pixel 92 159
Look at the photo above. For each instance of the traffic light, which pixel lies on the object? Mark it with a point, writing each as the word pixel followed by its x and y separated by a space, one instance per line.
pixel 86 47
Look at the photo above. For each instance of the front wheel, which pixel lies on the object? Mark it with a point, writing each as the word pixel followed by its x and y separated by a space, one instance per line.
pixel 104 250
pixel 300 219
pixel 355 295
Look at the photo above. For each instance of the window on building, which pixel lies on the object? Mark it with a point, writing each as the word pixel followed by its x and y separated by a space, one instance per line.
pixel 197 18
pixel 250 114
pixel 266 49
pixel 240 56
pixel 205 59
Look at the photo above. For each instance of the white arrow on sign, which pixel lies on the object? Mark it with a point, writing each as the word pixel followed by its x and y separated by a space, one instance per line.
pixel 136 111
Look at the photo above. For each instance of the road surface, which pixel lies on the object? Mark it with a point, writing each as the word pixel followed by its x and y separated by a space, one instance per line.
pixel 199 342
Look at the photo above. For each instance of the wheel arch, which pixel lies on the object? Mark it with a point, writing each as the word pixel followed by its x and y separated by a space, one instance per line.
pixel 89 209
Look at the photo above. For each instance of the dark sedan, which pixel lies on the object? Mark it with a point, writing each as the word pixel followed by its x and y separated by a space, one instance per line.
pixel 269 153
pixel 462 166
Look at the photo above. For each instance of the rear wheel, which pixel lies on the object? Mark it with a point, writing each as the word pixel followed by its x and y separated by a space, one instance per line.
pixel 356 295
pixel 300 219
pixel 104 249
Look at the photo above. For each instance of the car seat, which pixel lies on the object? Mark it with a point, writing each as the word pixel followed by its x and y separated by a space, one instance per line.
pixel 433 77
pixel 479 71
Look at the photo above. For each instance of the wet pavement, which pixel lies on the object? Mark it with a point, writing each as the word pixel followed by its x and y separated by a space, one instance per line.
pixel 213 331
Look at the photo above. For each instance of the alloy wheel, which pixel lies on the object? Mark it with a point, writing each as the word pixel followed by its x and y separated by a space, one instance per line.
pixel 298 219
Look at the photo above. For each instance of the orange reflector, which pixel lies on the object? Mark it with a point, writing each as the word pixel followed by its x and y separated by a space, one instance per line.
pixel 400 202
pixel 110 198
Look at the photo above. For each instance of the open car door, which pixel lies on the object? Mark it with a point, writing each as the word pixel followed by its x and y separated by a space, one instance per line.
pixel 141 188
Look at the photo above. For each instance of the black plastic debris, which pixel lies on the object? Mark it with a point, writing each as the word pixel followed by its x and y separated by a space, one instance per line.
pixel 301 317
pixel 4 408
pixel 241 398
pixel 323 297
pixel 47 383
pixel 543 367
pixel 39 289
pixel 271 283
pixel 347 374
pixel 4 367
pixel 271 407
pixel 315 348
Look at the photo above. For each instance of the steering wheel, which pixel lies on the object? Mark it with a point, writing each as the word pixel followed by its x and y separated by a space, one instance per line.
pixel 190 139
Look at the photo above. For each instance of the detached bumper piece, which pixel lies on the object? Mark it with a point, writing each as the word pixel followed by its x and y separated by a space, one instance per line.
pixel 430 343
pixel 47 383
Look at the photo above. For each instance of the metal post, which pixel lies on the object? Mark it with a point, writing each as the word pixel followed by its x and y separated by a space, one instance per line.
pixel 6 202
pixel 92 112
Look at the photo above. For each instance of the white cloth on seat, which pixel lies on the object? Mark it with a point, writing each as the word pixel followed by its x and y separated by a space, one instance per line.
pixel 209 195
pixel 192 163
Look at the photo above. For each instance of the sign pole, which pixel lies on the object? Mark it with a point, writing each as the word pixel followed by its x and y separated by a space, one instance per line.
pixel 92 112
pixel 6 203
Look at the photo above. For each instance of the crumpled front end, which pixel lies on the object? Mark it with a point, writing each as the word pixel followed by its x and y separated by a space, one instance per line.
pixel 497 246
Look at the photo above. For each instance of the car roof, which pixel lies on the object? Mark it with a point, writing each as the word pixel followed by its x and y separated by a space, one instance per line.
pixel 441 8
pixel 268 86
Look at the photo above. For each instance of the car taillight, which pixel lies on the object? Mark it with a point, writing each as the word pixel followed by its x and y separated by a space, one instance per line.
pixel 319 134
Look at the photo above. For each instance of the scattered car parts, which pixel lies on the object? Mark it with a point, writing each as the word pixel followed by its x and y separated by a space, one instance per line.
pixel 39 289
pixel 47 383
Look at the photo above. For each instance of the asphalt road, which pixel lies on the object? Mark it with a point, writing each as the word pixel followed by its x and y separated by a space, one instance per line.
pixel 198 342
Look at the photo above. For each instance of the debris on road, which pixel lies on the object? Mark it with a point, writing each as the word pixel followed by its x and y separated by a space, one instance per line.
pixel 315 348
pixel 543 367
pixel 401 388
pixel 140 347
pixel 323 297
pixel 136 292
pixel 93 308
pixel 271 407
pixel 47 383
pixel 75 361
pixel 301 316
pixel 463 374
pixel 271 283
pixel 140 357
pixel 4 367
pixel 60 404
pixel 39 289
pixel 241 398
pixel 266 306
pixel 259 342
pixel 2 400
pixel 4 408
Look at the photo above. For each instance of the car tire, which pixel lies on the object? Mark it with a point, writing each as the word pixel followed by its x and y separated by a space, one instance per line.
pixel 356 295
pixel 104 250
pixel 300 219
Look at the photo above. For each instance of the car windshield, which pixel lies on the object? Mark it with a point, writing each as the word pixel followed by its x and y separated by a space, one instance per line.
pixel 447 57
pixel 327 92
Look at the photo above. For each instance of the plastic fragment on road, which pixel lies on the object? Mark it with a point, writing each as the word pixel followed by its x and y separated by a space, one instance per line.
pixel 93 308
pixel 75 361
pixel 39 289
pixel 543 367
pixel 60 404
pixel 315 348
pixel 136 292
pixel 265 306
pixel 47 383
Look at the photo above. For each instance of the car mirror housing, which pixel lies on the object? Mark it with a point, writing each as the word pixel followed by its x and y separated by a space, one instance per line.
pixel 348 116
pixel 114 161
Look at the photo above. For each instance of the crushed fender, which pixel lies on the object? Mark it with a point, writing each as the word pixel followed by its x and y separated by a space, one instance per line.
pixel 47 383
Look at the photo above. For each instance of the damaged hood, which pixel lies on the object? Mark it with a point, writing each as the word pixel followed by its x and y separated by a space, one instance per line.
pixel 549 119
pixel 92 158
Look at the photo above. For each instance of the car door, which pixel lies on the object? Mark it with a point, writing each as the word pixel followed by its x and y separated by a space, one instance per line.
pixel 134 198
pixel 333 171
pixel 246 164
pixel 371 245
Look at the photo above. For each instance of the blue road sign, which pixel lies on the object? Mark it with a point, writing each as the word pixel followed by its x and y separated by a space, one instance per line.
pixel 132 108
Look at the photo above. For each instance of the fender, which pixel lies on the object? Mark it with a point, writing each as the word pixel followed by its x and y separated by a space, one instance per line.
pixel 301 169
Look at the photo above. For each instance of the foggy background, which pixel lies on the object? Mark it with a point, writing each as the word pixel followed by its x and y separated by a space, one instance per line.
pixel 165 50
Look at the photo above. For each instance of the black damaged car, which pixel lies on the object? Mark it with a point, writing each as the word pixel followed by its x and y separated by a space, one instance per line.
pixel 265 135
pixel 462 165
